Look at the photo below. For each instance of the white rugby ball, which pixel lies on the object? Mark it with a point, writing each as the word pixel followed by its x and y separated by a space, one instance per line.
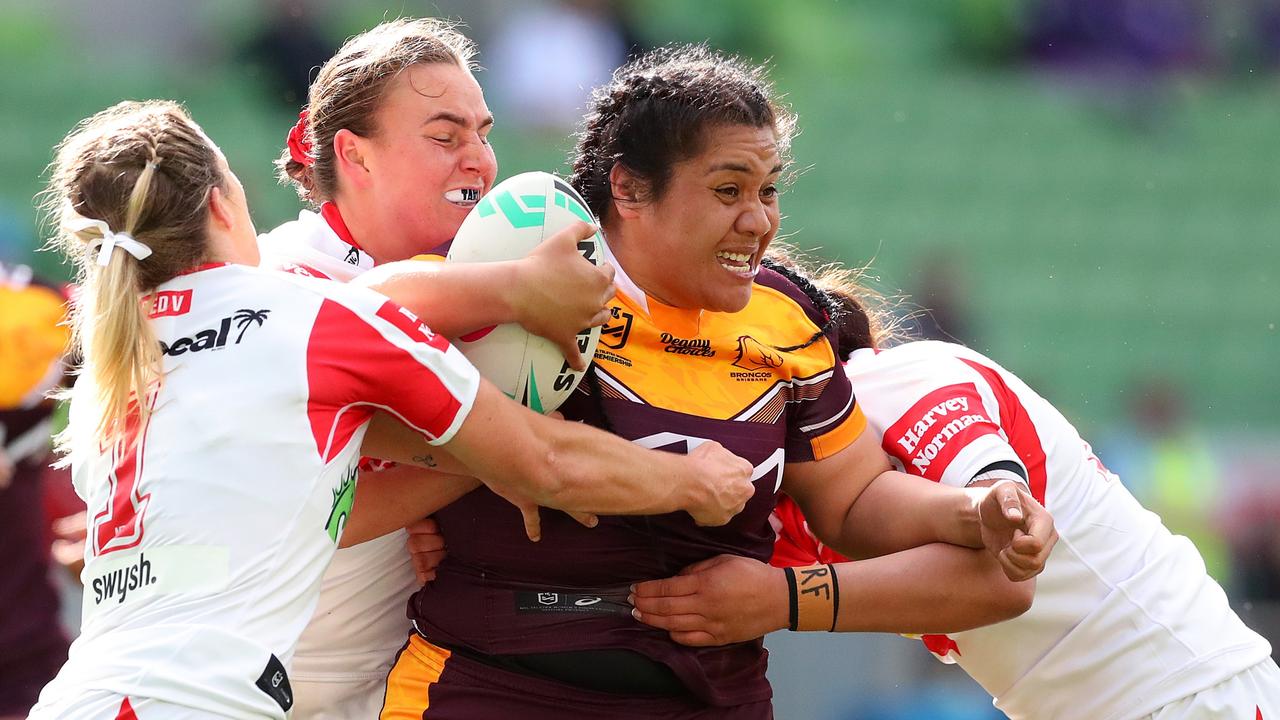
pixel 507 223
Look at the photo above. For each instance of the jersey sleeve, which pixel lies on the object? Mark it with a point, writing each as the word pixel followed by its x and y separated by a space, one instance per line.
pixel 823 416
pixel 826 418
pixel 373 354
pixel 951 436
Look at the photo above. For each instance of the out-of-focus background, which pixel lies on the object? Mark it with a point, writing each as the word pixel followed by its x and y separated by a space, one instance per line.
pixel 1086 190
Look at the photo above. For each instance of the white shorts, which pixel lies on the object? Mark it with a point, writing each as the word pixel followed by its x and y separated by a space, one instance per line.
pixel 1247 695
pixel 106 705
pixel 338 699
pixel 340 666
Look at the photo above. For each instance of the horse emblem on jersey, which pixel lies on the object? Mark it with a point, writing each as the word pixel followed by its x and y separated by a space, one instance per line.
pixel 755 355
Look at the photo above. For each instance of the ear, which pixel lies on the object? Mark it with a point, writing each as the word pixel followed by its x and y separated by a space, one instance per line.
pixel 221 214
pixel 351 153
pixel 625 188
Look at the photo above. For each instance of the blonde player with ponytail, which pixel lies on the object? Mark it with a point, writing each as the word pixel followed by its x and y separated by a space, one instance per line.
pixel 217 423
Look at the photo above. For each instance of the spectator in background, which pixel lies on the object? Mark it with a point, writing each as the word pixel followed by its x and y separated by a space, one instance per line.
pixel 289 47
pixel 546 57
pixel 32 343
pixel 1136 36
pixel 1169 466
pixel 944 312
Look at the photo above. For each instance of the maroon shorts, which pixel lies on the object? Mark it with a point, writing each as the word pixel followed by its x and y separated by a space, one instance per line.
pixel 431 683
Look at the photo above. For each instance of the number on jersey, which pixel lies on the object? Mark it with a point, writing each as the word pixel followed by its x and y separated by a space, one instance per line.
pixel 119 525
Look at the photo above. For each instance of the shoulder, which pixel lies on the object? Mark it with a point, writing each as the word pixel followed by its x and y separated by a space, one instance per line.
pixel 356 297
pixel 923 352
pixel 781 294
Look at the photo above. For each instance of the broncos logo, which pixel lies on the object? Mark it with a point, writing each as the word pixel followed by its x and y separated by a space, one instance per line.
pixel 755 355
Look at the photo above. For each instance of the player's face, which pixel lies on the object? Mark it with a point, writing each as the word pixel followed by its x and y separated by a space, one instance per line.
pixel 706 234
pixel 430 156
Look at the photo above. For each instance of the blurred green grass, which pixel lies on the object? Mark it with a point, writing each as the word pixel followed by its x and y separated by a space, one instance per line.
pixel 1104 235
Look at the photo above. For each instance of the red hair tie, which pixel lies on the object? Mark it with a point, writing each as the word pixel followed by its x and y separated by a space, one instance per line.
pixel 299 145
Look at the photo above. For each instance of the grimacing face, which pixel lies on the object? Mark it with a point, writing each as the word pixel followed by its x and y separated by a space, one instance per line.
pixel 705 236
pixel 431 158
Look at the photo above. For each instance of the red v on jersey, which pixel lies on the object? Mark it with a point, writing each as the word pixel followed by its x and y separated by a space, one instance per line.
pixel 1019 428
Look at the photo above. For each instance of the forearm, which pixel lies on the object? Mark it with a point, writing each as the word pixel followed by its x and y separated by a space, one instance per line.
pixel 388 500
pixel 897 511
pixel 390 439
pixel 634 480
pixel 936 588
pixel 574 467
pixel 431 291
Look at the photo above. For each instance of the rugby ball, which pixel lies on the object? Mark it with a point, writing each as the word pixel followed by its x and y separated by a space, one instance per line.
pixel 506 224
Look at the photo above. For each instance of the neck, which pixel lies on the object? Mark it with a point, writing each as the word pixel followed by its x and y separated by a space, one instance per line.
pixel 363 223
pixel 224 248
pixel 628 248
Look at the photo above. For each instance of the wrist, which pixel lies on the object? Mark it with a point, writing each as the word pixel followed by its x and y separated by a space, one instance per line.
pixel 513 277
pixel 965 528
pixel 687 492
pixel 778 611
pixel 813 597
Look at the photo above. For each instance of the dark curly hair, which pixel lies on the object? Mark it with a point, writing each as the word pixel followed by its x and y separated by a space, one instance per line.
pixel 654 112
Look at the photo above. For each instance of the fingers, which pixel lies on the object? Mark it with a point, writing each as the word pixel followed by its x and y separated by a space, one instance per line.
pixel 425 526
pixel 572 355
pixel 686 629
pixel 673 623
pixel 666 587
pixel 423 543
pixel 601 317
pixel 425 564
pixel 667 607
pixel 585 519
pixel 1010 500
pixel 572 234
pixel 695 639
pixel 532 521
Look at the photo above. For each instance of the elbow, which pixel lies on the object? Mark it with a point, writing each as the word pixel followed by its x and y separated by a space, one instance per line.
pixel 1013 599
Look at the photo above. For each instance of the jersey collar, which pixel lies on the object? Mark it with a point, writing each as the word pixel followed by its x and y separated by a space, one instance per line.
pixel 355 255
pixel 683 322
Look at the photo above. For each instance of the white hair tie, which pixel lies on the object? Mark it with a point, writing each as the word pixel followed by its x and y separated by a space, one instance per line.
pixel 110 240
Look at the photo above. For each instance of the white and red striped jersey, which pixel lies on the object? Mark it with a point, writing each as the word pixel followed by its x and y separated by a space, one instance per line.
pixel 360 623
pixel 210 529
pixel 1125 618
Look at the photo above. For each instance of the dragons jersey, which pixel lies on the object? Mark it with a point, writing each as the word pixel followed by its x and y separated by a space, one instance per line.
pixel 211 525
pixel 359 623
pixel 1125 618
pixel 664 378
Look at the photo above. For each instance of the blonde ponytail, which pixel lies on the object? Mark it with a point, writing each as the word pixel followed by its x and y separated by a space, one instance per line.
pixel 110 325
pixel 129 194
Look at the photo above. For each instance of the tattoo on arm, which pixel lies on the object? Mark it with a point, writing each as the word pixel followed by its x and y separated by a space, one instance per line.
pixel 427 460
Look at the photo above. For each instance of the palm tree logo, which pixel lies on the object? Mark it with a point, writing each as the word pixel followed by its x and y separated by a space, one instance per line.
pixel 245 317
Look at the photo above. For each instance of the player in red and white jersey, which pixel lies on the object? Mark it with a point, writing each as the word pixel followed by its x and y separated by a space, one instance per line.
pixel 216 429
pixel 1125 623
pixel 393 152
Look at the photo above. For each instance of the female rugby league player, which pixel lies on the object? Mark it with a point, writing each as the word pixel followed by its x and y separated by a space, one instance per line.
pixel 217 425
